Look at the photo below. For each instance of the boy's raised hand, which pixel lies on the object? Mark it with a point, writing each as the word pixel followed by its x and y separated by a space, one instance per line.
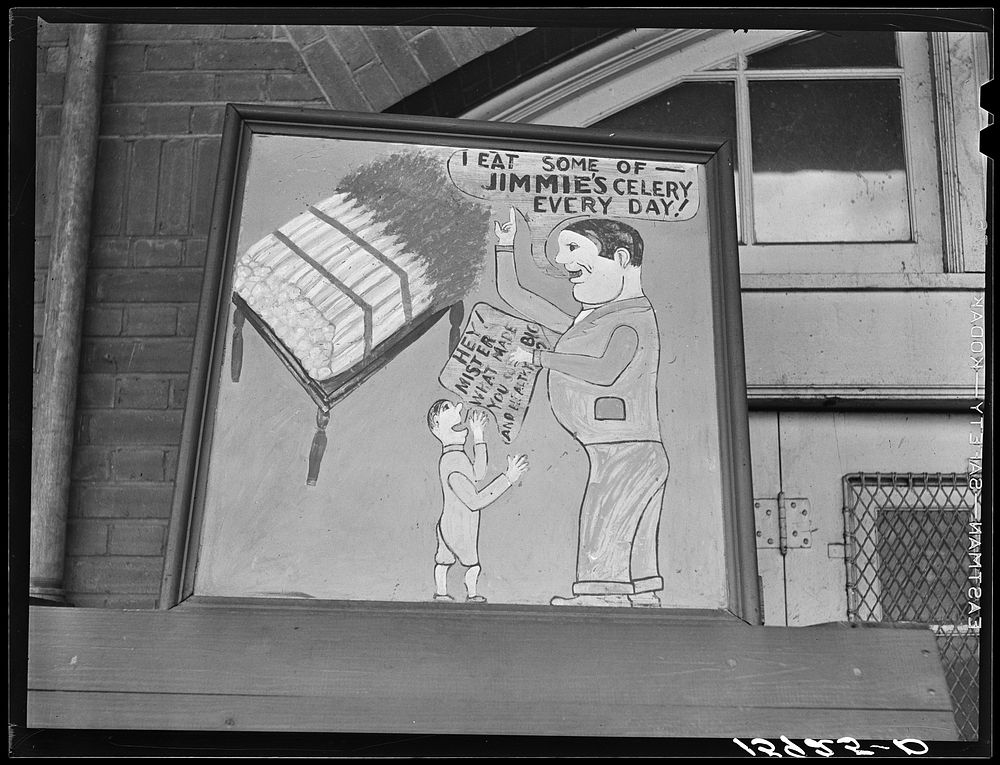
pixel 517 466
pixel 477 424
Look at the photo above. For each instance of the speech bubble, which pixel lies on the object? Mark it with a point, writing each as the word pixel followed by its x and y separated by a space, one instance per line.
pixel 548 188
pixel 568 185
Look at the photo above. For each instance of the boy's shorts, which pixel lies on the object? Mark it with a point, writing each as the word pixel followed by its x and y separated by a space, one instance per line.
pixel 447 554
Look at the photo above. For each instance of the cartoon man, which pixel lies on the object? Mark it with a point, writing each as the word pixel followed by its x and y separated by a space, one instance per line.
pixel 458 526
pixel 602 389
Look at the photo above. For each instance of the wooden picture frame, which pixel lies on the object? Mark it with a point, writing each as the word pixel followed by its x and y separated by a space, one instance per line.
pixel 218 340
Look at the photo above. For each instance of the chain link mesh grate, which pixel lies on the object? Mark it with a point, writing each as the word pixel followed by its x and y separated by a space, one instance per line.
pixel 907 540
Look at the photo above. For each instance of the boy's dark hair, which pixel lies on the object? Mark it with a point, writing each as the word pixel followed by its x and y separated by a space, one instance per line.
pixel 609 235
pixel 434 411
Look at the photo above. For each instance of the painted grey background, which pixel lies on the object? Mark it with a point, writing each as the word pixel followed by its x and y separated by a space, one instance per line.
pixel 366 530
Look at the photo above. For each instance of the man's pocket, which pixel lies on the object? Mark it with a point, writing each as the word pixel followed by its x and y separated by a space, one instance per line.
pixel 609 408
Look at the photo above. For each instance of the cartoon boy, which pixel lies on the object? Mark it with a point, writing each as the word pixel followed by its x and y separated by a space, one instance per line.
pixel 458 527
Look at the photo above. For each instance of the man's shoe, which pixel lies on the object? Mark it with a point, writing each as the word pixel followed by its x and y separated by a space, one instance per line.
pixel 475 599
pixel 444 598
pixel 644 600
pixel 590 600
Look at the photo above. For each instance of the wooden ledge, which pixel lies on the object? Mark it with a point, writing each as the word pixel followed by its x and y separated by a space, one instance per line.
pixel 208 666
pixel 863 282
pixel 458 609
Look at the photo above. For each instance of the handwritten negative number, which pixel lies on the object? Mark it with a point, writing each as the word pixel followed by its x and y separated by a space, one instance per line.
pixel 851 745
pixel 821 746
pixel 909 746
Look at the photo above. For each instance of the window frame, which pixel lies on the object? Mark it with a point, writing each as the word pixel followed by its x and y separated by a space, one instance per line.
pixel 922 252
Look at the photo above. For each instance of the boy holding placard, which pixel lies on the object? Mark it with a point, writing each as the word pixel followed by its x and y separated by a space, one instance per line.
pixel 458 527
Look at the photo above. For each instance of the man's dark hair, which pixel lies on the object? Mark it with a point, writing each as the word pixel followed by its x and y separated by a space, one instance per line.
pixel 434 411
pixel 609 235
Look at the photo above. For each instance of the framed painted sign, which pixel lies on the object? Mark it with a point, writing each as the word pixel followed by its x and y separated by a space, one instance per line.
pixel 468 365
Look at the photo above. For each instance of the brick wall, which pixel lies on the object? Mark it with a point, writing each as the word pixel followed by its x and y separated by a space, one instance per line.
pixel 164 95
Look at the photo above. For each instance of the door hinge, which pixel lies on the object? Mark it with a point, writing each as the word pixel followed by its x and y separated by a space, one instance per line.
pixel 784 523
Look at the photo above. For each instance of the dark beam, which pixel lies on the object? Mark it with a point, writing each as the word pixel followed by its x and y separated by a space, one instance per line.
pixel 53 434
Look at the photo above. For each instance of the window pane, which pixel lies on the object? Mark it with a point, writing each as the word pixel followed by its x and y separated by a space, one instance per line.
pixel 703 109
pixel 829 49
pixel 828 162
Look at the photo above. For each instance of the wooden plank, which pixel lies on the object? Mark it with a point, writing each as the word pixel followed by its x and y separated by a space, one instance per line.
pixel 452 661
pixel 83 710
pixel 963 168
pixel 767 485
pixel 858 345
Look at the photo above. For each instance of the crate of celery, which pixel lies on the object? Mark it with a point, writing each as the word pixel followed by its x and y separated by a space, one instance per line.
pixel 340 289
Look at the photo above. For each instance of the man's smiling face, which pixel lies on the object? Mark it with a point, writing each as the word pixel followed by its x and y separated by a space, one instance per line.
pixel 596 279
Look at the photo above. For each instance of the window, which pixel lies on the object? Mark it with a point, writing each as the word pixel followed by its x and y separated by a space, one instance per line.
pixel 928 216
pixel 835 164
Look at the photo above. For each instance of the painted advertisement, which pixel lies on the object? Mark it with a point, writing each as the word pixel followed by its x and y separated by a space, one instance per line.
pixel 466 375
